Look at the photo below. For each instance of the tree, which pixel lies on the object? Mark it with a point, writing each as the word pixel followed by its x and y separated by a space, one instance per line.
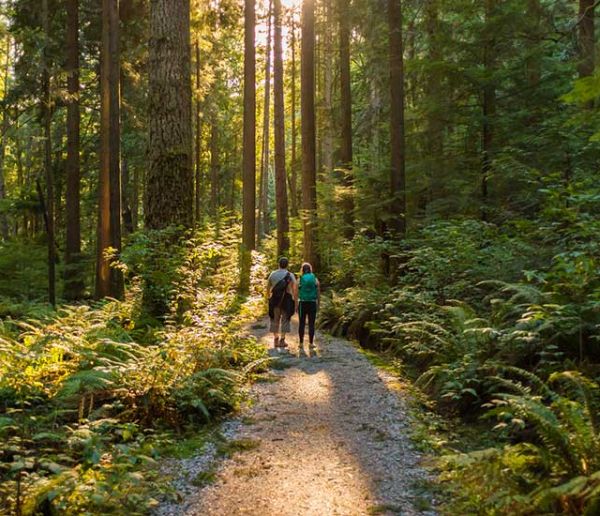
pixel 346 117
pixel 587 37
pixel 397 134
pixel 214 164
pixel 198 143
pixel 309 164
pixel 46 110
pixel 281 200
pixel 74 284
pixel 109 281
pixel 489 105
pixel 249 137
pixel 293 158
pixel 169 188
pixel 3 140
pixel 263 209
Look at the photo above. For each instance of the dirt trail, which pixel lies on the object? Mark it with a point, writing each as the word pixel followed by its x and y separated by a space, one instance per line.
pixel 328 436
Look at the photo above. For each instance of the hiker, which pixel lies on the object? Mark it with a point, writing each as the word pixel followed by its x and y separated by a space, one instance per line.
pixel 309 294
pixel 281 290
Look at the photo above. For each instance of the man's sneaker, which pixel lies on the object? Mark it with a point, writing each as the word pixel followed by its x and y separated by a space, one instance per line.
pixel 276 342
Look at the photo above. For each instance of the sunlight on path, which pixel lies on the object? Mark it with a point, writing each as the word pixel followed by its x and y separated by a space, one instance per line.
pixel 330 438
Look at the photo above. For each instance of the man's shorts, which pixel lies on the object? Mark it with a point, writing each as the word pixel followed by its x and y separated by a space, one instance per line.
pixel 280 322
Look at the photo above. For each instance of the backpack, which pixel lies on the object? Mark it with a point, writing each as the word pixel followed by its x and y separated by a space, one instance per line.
pixel 307 289
pixel 278 294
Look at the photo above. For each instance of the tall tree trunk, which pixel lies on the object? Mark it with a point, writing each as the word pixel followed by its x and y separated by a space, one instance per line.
pixel 488 109
pixel 5 127
pixel 435 135
pixel 346 121
pixel 281 200
pixel 169 189
pixel 309 164
pixel 214 166
pixel 397 131
pixel 264 215
pixel 74 284
pixel 198 145
pixel 294 159
pixel 135 199
pixel 47 120
pixel 249 137
pixel 327 113
pixel 109 281
pixel 587 38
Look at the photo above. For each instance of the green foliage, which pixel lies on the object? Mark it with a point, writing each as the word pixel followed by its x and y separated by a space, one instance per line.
pixel 86 403
pixel 554 468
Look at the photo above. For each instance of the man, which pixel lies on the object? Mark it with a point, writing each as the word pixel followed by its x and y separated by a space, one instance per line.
pixel 281 291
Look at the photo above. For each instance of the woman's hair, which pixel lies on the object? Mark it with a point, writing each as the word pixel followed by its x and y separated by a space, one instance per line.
pixel 306 268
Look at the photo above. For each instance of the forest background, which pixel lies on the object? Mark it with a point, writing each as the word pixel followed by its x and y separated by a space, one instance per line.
pixel 436 160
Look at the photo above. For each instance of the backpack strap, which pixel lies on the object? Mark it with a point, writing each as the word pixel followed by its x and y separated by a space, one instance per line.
pixel 287 280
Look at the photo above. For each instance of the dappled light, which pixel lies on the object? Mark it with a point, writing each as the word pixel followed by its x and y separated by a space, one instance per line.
pixel 299 257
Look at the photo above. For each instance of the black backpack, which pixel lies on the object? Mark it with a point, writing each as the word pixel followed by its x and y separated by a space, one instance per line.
pixel 278 293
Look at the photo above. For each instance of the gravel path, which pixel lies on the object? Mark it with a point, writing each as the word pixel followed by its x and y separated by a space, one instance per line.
pixel 327 436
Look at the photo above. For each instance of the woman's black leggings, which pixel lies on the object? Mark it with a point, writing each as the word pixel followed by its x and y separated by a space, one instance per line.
pixel 307 309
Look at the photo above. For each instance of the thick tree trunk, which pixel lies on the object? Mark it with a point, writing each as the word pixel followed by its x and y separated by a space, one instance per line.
pixel 249 137
pixel 587 38
pixel 346 118
pixel 264 218
pixel 74 284
pixel 109 281
pixel 198 145
pixel 397 132
pixel 309 165
pixel 47 120
pixel 281 200
pixel 169 189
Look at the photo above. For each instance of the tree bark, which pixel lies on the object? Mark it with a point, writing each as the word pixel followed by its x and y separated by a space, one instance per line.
pixel 309 165
pixel 397 130
pixel 169 190
pixel 587 38
pixel 435 134
pixel 214 166
pixel 281 200
pixel 264 215
pixel 47 121
pixel 346 115
pixel 294 159
pixel 327 111
pixel 4 233
pixel 198 145
pixel 109 281
pixel 74 285
pixel 488 110
pixel 249 137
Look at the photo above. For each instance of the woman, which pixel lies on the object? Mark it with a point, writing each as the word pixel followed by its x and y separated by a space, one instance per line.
pixel 309 293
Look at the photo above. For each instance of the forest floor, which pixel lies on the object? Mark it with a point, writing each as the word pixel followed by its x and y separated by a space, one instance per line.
pixel 326 433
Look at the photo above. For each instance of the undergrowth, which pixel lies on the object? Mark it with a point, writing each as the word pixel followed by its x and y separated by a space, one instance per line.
pixel 90 396
pixel 494 326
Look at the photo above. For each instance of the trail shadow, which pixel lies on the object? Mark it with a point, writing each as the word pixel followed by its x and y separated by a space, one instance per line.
pixel 346 429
